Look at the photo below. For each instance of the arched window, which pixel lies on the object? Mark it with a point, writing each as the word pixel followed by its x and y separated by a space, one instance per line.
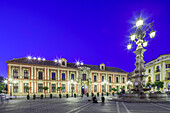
pixel 149 70
pixel 157 69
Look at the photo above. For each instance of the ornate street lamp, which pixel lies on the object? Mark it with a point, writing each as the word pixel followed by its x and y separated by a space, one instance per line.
pixel 140 39
pixel 72 83
pixel 10 82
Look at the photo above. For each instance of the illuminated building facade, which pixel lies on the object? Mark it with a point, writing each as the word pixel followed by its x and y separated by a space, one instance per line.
pixel 37 73
pixel 159 70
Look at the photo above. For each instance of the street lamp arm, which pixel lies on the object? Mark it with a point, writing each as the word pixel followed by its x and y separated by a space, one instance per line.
pixel 149 26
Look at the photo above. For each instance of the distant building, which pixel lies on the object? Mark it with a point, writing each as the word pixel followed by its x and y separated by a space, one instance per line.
pixel 37 73
pixel 159 70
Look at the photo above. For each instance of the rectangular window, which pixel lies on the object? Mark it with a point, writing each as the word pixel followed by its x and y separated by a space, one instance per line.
pixel 40 75
pixel 64 88
pixel 63 76
pixel 168 75
pixel 110 88
pixel 26 74
pixel 53 76
pixel 157 77
pixel 117 88
pixel 25 87
pixel 167 65
pixel 15 88
pixel 103 88
pixel 123 79
pixel 102 78
pixel 95 88
pixel 15 73
pixel 53 87
pixel 84 77
pixel 110 79
pixel 40 87
pixel 95 78
pixel 72 76
pixel 72 87
pixel 117 79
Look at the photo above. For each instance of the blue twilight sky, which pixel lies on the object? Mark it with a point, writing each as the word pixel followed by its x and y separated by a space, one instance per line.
pixel 92 31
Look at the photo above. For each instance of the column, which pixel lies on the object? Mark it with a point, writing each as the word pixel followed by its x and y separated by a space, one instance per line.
pixel 20 85
pixel 106 88
pixel 35 87
pixel 35 73
pixel 31 72
pixel 67 75
pixel 48 73
pixel 45 73
pixel 163 71
pixel 152 74
pixel 58 75
pixel 20 72
pixel 68 87
pixel 77 74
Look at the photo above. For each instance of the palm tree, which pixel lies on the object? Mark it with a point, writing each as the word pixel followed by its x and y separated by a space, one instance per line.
pixel 45 88
pixel 114 89
pixel 60 88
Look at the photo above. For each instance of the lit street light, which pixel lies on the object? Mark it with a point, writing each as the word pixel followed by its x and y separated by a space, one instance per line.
pixel 140 39
pixel 10 82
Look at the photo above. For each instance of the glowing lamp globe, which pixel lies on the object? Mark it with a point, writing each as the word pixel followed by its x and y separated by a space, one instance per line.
pixel 59 61
pixel 39 58
pixel 5 81
pixel 129 46
pixel 29 57
pixel 55 60
pixel 145 43
pixel 132 37
pixel 139 23
pixel 82 63
pixel 43 59
pixel 152 34
pixel 34 58
pixel 77 63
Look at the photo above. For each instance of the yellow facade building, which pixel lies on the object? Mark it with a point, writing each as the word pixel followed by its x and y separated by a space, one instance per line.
pixel 159 70
pixel 77 78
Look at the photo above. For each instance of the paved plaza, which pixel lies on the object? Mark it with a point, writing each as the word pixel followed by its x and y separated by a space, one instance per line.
pixel 77 105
